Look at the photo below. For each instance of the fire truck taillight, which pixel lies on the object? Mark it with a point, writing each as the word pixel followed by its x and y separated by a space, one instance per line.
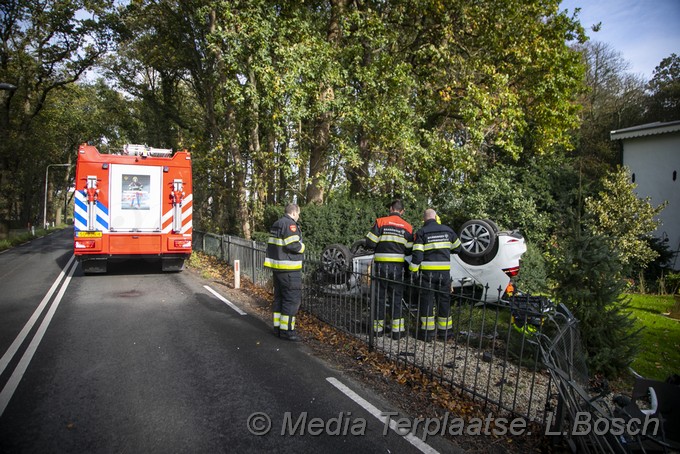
pixel 84 244
pixel 512 272
pixel 183 244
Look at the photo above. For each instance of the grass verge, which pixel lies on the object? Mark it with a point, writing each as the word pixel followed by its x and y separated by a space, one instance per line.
pixel 659 354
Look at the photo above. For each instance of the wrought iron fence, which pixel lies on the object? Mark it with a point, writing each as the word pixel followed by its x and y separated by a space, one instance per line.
pixel 485 353
pixel 483 349
pixel 515 354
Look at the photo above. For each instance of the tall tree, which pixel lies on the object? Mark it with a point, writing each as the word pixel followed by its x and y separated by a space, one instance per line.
pixel 664 100
pixel 46 46
pixel 614 99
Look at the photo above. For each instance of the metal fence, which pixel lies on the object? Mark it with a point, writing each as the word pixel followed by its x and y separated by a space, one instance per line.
pixel 227 248
pixel 518 355
pixel 485 354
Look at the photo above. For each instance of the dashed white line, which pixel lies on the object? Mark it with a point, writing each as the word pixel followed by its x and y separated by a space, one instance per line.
pixel 363 403
pixel 225 301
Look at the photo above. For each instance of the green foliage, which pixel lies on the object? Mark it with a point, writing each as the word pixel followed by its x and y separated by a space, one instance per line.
pixel 672 283
pixel 664 102
pixel 341 220
pixel 628 220
pixel 533 276
pixel 653 275
pixel 500 195
pixel 588 273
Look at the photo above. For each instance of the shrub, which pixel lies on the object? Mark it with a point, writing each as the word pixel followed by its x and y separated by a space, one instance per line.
pixel 533 275
pixel 588 272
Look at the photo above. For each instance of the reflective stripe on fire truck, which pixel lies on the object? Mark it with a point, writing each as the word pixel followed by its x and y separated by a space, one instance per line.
pixel 166 221
pixel 80 214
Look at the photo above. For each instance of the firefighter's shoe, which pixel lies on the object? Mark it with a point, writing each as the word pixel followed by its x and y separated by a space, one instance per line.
pixel 378 333
pixel 289 336
pixel 396 335
pixel 444 335
pixel 426 336
pixel 276 331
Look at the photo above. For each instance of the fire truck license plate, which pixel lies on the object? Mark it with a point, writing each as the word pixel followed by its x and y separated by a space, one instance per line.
pixel 89 234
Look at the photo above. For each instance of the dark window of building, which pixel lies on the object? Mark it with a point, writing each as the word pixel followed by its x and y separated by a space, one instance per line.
pixel 633 176
pixel 675 175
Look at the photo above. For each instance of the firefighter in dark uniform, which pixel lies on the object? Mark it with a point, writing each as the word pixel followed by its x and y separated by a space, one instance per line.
pixel 392 238
pixel 284 256
pixel 432 248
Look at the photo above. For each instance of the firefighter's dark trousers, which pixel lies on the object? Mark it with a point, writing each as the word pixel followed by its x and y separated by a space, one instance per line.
pixel 435 298
pixel 388 278
pixel 287 298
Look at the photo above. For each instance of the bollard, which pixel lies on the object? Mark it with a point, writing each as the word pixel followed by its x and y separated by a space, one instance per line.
pixel 237 274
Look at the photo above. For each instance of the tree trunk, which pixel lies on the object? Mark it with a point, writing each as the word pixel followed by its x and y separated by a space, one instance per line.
pixel 318 156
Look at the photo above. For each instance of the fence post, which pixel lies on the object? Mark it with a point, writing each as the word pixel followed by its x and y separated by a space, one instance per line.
pixel 254 245
pixel 371 317
pixel 228 249
pixel 237 274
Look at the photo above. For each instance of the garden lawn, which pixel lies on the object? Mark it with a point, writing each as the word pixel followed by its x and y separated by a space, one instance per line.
pixel 659 353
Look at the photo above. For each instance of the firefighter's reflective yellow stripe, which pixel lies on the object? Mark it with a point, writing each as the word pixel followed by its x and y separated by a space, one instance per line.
pixel 287 322
pixel 383 257
pixel 427 323
pixel 283 241
pixel 277 319
pixel 439 245
pixel 435 266
pixel 378 326
pixel 412 267
pixel 283 264
pixel 394 239
pixel 398 325
pixel 371 236
pixel 456 243
pixel 444 323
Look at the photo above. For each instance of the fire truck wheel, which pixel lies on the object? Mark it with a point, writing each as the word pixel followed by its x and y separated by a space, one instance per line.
pixel 172 265
pixel 94 266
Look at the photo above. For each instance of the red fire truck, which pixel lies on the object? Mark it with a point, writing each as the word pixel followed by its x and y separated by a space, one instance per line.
pixel 134 204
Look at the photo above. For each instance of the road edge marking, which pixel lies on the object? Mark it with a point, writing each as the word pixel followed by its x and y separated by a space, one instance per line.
pixel 373 410
pixel 225 301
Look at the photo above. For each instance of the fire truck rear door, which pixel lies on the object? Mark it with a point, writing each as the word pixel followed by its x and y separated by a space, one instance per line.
pixel 136 195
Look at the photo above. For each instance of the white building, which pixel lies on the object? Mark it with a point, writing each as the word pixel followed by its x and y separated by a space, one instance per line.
pixel 652 154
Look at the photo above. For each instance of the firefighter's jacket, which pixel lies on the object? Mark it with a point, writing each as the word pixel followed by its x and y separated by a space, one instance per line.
pixel 285 248
pixel 433 246
pixel 391 237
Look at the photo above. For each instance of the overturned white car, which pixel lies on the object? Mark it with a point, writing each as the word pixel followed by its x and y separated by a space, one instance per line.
pixel 488 259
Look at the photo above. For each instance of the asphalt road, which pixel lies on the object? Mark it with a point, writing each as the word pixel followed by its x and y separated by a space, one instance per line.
pixel 141 361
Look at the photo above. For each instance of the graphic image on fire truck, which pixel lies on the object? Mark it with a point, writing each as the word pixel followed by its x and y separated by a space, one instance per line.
pixel 136 196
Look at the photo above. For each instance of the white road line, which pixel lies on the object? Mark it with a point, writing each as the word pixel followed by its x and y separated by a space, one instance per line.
pixel 13 382
pixel 9 354
pixel 225 301
pixel 415 441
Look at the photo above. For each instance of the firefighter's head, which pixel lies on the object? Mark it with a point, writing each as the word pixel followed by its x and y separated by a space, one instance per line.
pixel 397 206
pixel 293 210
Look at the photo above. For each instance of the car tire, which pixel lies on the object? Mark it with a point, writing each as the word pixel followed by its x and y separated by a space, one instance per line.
pixel 359 248
pixel 336 263
pixel 493 225
pixel 477 238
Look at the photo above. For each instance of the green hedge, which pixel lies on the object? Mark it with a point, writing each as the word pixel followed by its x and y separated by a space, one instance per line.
pixel 341 221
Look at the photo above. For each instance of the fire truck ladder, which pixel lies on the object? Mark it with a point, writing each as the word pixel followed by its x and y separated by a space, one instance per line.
pixel 178 196
pixel 92 202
